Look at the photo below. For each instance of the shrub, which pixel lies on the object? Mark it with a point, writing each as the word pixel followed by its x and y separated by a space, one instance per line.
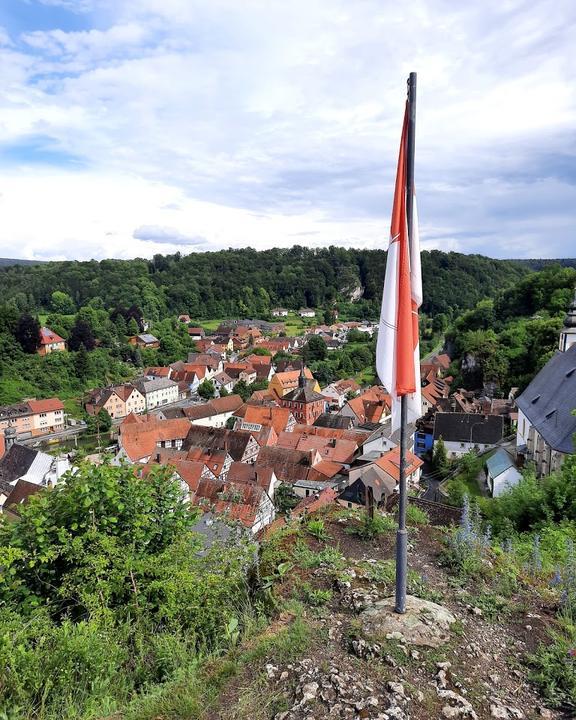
pixel 416 516
pixel 369 528
pixel 316 597
pixel 554 666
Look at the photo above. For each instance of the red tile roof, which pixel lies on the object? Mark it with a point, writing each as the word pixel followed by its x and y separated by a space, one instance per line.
pixel 139 439
pixel 49 405
pixel 390 463
pixel 47 337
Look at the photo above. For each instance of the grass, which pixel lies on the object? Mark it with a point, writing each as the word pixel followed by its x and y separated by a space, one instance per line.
pixel 366 377
pixel 194 694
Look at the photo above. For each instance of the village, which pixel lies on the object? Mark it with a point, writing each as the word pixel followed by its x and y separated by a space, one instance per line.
pixel 265 454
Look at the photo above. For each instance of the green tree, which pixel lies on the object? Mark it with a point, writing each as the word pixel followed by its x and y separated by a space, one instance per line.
pixel 28 333
pixel 242 389
pixel 133 328
pixel 82 363
pixel 315 349
pixel 440 457
pixel 206 389
pixel 81 334
pixel 62 303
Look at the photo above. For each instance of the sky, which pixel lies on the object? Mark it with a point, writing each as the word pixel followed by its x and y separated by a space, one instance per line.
pixel 135 127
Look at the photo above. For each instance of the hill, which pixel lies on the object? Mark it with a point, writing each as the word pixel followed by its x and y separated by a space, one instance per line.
pixel 246 282
pixel 4 262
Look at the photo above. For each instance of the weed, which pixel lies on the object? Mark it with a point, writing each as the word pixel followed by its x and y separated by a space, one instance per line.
pixel 493 606
pixel 416 516
pixel 316 528
pixel 316 597
pixel 306 558
pixel 369 528
pixel 554 666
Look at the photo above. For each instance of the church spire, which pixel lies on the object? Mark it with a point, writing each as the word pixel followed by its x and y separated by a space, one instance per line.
pixel 302 380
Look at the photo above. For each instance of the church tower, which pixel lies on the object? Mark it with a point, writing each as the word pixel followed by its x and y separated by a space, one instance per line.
pixel 9 437
pixel 568 332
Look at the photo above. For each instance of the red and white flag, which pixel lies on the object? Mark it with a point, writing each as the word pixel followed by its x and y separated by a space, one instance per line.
pixel 398 350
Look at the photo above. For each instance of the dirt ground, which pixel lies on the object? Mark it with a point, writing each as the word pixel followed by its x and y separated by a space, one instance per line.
pixel 484 662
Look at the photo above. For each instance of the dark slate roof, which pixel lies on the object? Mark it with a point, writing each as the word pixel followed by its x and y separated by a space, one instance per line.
pixel 234 442
pixel 469 427
pixel 303 394
pixel 330 420
pixel 16 462
pixel 550 398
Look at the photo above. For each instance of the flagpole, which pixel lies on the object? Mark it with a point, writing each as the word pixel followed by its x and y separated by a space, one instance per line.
pixel 402 533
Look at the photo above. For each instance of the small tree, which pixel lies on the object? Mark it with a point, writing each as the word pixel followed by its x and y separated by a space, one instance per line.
pixel 28 333
pixel 206 389
pixel 82 363
pixel 440 457
pixel 81 334
pixel 62 303
pixel 315 349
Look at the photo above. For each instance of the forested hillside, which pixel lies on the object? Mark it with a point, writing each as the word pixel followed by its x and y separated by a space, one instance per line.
pixel 247 282
pixel 507 340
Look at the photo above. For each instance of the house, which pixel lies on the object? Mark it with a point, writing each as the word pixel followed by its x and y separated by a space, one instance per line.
pixel 279 312
pixel 462 432
pixel 330 420
pixel 382 476
pixel 256 417
pixel 47 416
pixel 144 341
pixel 284 382
pixel 157 392
pixel 501 472
pixel 306 313
pixel 304 402
pixel 33 466
pixel 304 471
pixel 119 401
pixel 249 504
pixel 214 413
pixel 50 342
pixel 184 319
pixel 241 371
pixel 374 405
pixel 337 450
pixel 13 497
pixel 264 477
pixel 337 392
pixel 196 333
pixel 223 381
pixel 33 417
pixel 158 372
pixel 141 438
pixel 240 444
pixel 546 425
pixel 212 361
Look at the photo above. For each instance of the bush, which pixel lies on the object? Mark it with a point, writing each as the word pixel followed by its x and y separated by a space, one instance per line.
pixel 554 667
pixel 416 516
pixel 369 528
pixel 316 528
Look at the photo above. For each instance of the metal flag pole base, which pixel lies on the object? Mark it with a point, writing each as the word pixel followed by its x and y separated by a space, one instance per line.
pixel 401 570
pixel 402 533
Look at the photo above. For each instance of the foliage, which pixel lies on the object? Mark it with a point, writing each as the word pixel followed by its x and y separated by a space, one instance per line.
pixel 315 596
pixel 245 282
pixel 416 516
pixel 369 528
pixel 103 592
pixel 317 529
pixel 27 333
pixel 468 546
pixel 440 457
pixel 206 389
pixel 285 498
pixel 534 502
pixel 554 666
pixel 315 349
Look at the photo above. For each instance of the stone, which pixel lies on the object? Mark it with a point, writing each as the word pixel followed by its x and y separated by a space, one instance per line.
pixel 457 706
pixel 309 692
pixel 271 671
pixel 424 623
pixel 395 688
pixel 545 713
pixel 499 711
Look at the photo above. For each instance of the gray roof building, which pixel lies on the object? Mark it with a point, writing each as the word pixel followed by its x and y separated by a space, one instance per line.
pixel 549 400
pixel 470 428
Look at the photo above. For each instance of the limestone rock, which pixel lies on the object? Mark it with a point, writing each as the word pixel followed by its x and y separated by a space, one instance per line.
pixel 424 622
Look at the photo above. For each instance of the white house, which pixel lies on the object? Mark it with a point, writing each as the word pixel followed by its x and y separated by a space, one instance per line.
pixel 501 473
pixel 280 312
pixel 462 432
pixel 307 313
pixel 158 392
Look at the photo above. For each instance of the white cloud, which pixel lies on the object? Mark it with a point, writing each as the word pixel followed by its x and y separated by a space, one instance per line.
pixel 290 113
